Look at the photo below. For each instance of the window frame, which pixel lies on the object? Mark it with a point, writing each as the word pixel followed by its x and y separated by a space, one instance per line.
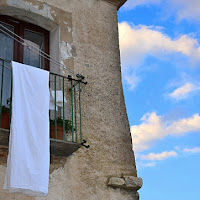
pixel 19 27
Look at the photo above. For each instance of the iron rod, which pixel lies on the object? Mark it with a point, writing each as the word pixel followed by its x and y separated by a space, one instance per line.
pixel 63 108
pixel 55 110
pixel 72 111
pixel 75 114
pixel 80 110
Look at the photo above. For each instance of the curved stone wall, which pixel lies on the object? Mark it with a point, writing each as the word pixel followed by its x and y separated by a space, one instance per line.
pixel 88 31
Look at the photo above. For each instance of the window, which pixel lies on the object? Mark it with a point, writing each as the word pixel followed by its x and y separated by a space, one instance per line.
pixel 32 34
pixel 11 49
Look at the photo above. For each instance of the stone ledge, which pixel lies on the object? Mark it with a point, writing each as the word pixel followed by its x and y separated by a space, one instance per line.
pixel 118 3
pixel 58 147
pixel 63 148
pixel 126 182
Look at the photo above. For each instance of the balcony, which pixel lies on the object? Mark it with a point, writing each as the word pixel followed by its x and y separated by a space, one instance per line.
pixel 65 116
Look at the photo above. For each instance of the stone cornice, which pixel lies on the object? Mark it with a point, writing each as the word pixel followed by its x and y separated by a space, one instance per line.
pixel 118 3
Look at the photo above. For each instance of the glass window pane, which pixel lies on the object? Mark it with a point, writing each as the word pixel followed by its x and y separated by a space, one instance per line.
pixel 6 43
pixel 31 55
pixel 6 52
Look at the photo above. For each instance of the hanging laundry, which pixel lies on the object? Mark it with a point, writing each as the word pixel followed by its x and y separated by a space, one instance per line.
pixel 59 99
pixel 29 157
pixel 52 102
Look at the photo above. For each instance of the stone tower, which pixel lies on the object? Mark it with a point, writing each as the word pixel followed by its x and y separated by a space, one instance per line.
pixel 84 36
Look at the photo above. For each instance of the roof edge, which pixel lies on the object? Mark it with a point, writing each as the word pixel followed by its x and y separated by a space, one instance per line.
pixel 121 4
pixel 117 3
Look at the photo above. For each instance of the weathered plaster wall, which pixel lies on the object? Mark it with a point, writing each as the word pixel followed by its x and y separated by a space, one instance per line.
pixel 89 45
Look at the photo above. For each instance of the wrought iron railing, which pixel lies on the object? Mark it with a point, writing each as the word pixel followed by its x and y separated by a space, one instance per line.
pixel 65 118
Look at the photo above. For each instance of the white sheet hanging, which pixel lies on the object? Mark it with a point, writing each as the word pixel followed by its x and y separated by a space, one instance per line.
pixel 59 99
pixel 28 159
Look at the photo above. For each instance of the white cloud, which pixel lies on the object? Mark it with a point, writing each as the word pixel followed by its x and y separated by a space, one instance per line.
pixel 131 4
pixel 177 148
pixel 131 79
pixel 193 150
pixel 183 91
pixel 154 127
pixel 186 9
pixel 138 42
pixel 144 165
pixel 159 156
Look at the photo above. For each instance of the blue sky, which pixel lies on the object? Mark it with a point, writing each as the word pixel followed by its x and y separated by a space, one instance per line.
pixel 160 58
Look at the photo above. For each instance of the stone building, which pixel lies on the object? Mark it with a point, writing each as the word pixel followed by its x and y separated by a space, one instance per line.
pixel 83 35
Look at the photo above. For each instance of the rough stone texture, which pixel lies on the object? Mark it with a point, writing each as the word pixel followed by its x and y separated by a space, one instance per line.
pixel 126 182
pixel 3 154
pixel 4 137
pixel 90 27
pixel 116 182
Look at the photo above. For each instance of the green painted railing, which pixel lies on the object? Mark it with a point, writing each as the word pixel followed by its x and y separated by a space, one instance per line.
pixel 69 128
pixel 63 122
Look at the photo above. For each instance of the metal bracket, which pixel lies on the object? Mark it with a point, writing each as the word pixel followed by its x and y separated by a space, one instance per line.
pixel 83 144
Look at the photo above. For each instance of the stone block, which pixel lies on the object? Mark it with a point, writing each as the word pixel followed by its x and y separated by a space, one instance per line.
pixel 126 182
pixel 116 182
pixel 134 183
